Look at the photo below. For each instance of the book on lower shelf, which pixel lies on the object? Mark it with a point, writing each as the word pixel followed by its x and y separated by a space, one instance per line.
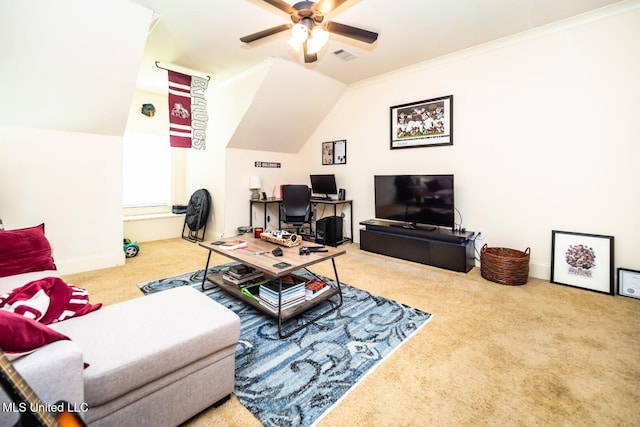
pixel 287 291
pixel 289 284
pixel 315 287
pixel 285 305
pixel 252 289
pixel 242 280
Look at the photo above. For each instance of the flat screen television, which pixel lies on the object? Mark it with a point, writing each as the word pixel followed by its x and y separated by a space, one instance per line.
pixel 415 199
pixel 323 185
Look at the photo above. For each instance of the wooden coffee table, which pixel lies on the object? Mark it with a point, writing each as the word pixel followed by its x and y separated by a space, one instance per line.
pixel 258 254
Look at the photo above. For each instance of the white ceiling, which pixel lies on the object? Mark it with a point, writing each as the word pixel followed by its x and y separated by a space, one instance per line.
pixel 203 35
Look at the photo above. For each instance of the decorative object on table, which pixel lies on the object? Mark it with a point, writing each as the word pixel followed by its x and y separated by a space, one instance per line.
pixel 505 266
pixel 629 282
pixel 283 238
pixel 582 260
pixel 277 379
pixel 232 244
pixel 427 123
pixel 334 152
pixel 254 186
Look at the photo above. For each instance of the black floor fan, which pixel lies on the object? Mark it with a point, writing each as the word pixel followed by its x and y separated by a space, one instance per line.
pixel 195 221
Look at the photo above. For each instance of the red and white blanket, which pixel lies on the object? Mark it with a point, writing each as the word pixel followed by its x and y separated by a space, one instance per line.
pixel 48 300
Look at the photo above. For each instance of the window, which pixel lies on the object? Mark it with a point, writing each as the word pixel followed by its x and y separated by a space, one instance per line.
pixel 147 172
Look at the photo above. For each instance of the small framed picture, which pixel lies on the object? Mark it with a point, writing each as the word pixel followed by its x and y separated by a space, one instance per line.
pixel 629 282
pixel 334 152
pixel 427 123
pixel 583 261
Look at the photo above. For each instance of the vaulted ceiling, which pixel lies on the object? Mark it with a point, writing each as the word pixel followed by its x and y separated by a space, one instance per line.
pixel 204 35
pixel 73 65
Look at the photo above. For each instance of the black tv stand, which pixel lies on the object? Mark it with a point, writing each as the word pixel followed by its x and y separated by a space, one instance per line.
pixel 424 244
pixel 411 226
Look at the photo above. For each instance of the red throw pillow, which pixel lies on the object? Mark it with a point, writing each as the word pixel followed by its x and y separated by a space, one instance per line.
pixel 24 250
pixel 19 334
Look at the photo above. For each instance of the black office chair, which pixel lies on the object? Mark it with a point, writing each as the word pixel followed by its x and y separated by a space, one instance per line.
pixel 296 206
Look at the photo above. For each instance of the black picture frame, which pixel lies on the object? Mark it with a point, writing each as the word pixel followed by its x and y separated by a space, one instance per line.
pixel 583 260
pixel 427 123
pixel 334 152
pixel 629 283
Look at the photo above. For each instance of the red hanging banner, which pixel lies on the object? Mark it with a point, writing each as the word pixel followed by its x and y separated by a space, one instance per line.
pixel 179 110
pixel 187 111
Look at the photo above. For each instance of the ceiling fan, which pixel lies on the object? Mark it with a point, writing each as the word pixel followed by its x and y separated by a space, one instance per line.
pixel 308 29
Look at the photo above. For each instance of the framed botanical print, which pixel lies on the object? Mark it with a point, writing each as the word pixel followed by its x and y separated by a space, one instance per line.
pixel 582 261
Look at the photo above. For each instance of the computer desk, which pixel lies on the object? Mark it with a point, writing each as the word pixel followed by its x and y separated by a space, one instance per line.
pixel 265 204
pixel 314 203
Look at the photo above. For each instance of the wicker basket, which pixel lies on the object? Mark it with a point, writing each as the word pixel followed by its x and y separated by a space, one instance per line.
pixel 505 266
pixel 273 237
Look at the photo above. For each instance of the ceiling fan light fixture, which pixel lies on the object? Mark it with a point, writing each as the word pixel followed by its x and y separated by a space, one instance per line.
pixel 319 38
pixel 309 30
pixel 299 35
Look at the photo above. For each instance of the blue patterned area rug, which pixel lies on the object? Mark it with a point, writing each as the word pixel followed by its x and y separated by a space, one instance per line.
pixel 294 381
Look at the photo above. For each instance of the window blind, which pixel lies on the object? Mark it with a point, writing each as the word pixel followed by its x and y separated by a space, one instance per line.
pixel 146 170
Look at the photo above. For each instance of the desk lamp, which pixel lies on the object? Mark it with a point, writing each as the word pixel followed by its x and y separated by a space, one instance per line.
pixel 254 186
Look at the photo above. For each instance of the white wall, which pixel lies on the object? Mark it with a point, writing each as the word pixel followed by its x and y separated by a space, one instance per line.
pixel 72 183
pixel 545 138
pixel 240 166
pixel 545 135
pixel 70 65
pixel 225 171
pixel 63 109
pixel 139 226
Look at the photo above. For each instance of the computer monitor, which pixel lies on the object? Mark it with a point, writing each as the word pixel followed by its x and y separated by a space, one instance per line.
pixel 323 185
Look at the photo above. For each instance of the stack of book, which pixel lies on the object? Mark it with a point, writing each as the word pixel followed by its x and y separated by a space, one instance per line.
pixel 315 287
pixel 241 275
pixel 293 293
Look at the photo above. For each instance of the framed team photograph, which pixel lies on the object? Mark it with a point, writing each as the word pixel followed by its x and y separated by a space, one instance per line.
pixel 582 261
pixel 427 123
pixel 629 282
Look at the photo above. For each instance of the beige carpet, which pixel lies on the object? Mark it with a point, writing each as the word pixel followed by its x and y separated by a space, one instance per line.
pixel 534 355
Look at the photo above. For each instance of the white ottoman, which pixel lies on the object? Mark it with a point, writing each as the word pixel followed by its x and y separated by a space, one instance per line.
pixel 156 360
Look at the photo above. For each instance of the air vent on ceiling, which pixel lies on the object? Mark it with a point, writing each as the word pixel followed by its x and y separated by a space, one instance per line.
pixel 344 55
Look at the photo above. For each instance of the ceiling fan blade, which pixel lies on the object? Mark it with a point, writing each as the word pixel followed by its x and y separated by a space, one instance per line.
pixel 286 7
pixel 326 6
pixel 309 57
pixel 352 32
pixel 265 33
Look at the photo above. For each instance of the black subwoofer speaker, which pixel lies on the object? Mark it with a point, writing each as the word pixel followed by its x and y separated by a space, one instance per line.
pixel 329 230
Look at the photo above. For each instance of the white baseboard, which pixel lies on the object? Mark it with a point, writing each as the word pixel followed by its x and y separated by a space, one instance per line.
pixel 96 262
pixel 536 269
pixel 147 228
